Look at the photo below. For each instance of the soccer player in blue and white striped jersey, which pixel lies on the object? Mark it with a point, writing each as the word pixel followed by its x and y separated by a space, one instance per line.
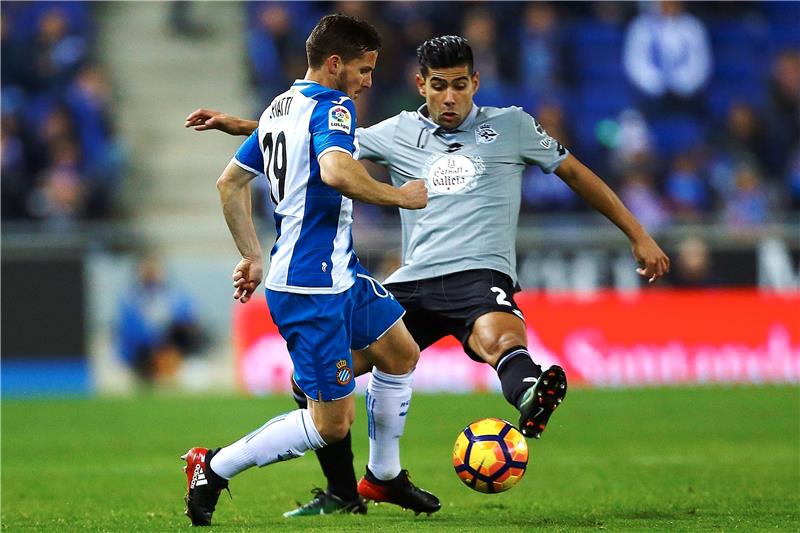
pixel 323 302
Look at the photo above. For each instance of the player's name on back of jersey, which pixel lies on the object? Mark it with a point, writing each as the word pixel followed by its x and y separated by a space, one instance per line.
pixel 280 107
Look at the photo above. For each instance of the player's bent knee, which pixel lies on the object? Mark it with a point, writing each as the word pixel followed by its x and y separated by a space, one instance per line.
pixel 406 359
pixel 396 352
pixel 334 431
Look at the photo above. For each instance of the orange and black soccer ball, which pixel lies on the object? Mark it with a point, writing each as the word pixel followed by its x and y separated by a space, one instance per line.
pixel 490 455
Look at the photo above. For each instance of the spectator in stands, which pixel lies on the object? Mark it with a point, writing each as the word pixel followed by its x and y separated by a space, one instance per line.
pixel 271 39
pixel 686 188
pixel 60 192
pixel 747 203
pixel 156 325
pixel 57 125
pixel 793 180
pixel 15 180
pixel 60 198
pixel 638 192
pixel 13 66
pixel 744 136
pixel 633 145
pixel 89 97
pixel 57 54
pixel 480 28
pixel 543 51
pixel 693 267
pixel 667 56
pixel 784 92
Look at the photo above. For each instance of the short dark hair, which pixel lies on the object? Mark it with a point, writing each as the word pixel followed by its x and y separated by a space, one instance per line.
pixel 342 35
pixel 444 52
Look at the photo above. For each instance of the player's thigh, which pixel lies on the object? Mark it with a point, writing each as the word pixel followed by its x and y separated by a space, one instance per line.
pixel 395 352
pixel 318 341
pixel 425 329
pixel 425 325
pixel 490 321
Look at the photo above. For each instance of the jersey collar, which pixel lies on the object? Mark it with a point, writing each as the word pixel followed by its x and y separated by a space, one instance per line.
pixel 469 122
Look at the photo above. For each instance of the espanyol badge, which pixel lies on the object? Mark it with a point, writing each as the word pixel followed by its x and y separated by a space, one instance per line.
pixel 343 372
pixel 485 134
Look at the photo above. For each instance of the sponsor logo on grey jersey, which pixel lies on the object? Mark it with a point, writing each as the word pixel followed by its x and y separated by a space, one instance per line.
pixel 452 173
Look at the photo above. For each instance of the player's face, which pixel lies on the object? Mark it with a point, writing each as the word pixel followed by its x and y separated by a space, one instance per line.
pixel 448 93
pixel 356 75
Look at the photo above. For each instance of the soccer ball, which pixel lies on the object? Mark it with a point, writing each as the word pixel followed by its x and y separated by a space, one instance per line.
pixel 490 455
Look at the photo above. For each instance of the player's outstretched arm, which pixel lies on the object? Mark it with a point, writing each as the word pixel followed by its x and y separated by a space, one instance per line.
pixel 234 193
pixel 349 177
pixel 653 262
pixel 207 119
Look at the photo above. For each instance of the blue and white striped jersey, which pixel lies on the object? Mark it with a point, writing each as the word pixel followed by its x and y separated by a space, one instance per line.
pixel 313 251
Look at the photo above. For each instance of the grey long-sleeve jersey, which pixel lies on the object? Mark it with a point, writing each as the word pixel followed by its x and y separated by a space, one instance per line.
pixel 474 180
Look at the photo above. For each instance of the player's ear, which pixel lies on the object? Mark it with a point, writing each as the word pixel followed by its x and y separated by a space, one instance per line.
pixel 476 81
pixel 421 85
pixel 333 64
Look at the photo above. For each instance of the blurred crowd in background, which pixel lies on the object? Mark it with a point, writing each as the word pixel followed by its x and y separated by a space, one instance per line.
pixel 61 160
pixel 691 111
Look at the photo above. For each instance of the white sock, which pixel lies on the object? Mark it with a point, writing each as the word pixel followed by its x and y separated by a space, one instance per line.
pixel 284 437
pixel 388 399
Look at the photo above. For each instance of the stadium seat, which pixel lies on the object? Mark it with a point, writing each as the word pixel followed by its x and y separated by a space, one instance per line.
pixel 737 60
pixel 589 33
pixel 606 98
pixel 722 93
pixel 674 134
pixel 601 62
pixel 779 13
pixel 784 36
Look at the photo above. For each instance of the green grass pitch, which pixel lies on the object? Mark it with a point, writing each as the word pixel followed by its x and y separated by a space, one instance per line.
pixel 683 459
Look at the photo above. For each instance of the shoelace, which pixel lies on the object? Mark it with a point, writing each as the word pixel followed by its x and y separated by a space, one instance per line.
pixel 318 493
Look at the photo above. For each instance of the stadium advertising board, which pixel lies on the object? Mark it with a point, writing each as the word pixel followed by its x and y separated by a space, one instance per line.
pixel 606 339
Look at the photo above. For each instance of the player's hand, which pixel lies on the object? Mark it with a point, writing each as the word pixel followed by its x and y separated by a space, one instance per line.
pixel 414 195
pixel 246 277
pixel 654 262
pixel 206 119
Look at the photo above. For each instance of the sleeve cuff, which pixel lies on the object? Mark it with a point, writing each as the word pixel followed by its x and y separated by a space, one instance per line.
pixel 334 149
pixel 247 168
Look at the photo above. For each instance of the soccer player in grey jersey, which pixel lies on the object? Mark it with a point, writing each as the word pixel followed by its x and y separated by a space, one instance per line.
pixel 458 262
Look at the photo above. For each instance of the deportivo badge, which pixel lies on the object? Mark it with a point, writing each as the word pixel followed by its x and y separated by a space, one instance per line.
pixel 343 372
pixel 485 134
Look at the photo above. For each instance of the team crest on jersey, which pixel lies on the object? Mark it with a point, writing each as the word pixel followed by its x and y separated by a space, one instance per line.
pixel 339 119
pixel 485 134
pixel 452 173
pixel 343 372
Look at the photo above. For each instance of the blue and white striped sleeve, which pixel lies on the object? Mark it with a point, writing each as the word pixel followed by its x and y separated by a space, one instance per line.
pixel 249 155
pixel 333 127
